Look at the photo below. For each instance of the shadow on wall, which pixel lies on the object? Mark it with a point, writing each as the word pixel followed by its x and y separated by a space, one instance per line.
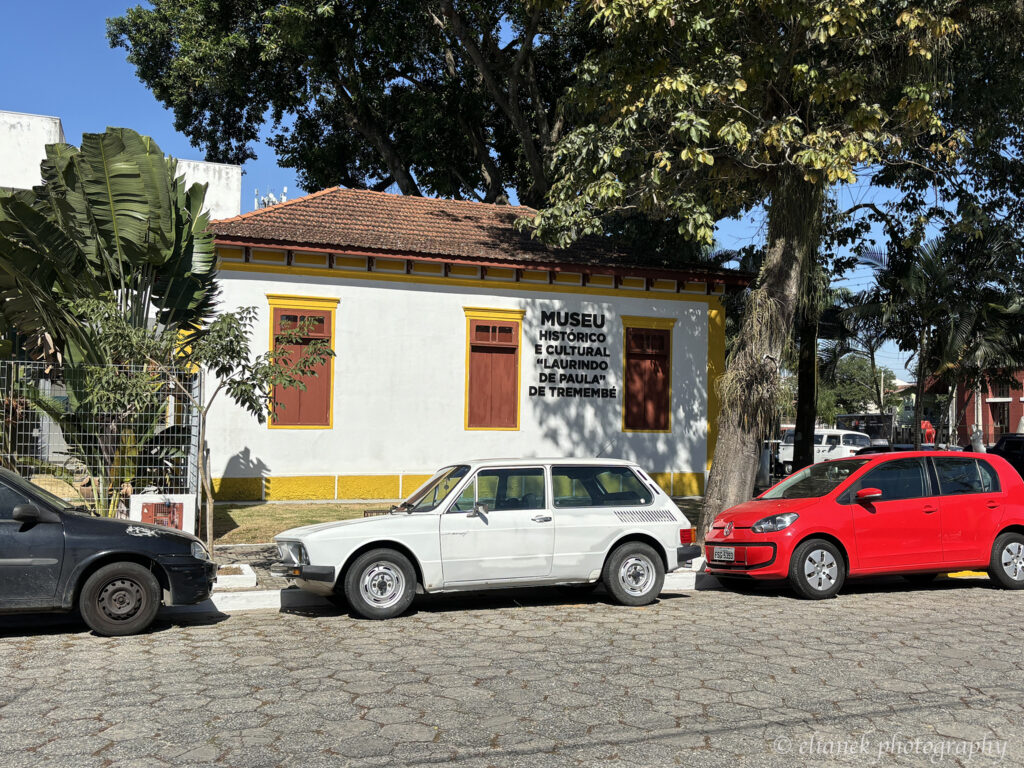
pixel 242 478
pixel 593 427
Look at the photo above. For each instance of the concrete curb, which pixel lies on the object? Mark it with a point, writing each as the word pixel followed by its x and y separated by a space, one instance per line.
pixel 251 600
pixel 244 580
pixel 691 578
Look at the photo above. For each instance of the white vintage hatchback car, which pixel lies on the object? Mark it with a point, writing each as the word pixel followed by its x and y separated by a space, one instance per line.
pixel 499 523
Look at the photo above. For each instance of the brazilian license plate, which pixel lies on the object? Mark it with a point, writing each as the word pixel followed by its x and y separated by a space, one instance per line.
pixel 725 553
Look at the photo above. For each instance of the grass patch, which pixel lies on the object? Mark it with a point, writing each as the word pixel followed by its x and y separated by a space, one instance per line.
pixel 259 523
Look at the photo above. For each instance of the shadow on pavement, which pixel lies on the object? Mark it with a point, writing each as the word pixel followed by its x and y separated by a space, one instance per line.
pixel 866 586
pixel 34 624
pixel 496 599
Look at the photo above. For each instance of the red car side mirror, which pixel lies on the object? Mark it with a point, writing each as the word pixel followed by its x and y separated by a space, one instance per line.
pixel 868 494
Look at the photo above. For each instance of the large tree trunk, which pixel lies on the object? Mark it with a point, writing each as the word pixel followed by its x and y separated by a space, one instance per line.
pixel 749 389
pixel 806 392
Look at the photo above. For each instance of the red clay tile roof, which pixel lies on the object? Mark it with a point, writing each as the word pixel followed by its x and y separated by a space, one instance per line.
pixel 355 219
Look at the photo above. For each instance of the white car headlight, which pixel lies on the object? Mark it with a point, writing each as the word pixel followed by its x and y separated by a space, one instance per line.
pixel 774 523
pixel 199 551
pixel 292 552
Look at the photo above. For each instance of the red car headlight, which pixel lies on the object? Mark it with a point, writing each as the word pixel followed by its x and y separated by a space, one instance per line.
pixel 774 523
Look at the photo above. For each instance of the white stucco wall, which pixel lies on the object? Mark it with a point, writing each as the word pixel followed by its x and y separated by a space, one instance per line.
pixel 400 383
pixel 23 140
pixel 224 194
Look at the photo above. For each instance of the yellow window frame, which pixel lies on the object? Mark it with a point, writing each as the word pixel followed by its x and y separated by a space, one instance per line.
pixel 319 304
pixel 501 316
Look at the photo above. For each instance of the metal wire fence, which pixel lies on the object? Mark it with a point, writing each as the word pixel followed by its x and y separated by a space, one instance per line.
pixel 96 435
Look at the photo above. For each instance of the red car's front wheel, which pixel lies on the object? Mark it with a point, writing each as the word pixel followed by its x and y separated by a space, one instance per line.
pixel 817 569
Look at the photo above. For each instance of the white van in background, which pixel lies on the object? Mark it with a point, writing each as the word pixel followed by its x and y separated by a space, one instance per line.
pixel 828 444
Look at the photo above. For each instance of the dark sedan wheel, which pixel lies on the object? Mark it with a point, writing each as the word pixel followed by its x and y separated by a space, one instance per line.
pixel 1007 563
pixel 120 599
pixel 817 569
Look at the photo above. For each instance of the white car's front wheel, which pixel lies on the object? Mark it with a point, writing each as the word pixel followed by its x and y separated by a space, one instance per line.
pixel 380 584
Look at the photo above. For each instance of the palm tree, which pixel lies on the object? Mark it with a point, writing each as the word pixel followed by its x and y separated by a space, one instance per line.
pixel 856 334
pixel 950 303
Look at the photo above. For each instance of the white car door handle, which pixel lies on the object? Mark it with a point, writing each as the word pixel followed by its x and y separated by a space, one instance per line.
pixel 541 518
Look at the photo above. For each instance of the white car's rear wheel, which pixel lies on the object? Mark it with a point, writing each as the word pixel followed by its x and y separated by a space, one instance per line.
pixel 380 584
pixel 634 574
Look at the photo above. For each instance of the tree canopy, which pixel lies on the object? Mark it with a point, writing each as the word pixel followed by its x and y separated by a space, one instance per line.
pixel 451 97
pixel 698 110
pixel 853 387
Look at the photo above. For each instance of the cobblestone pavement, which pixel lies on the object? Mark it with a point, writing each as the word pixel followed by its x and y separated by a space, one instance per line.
pixel 527 679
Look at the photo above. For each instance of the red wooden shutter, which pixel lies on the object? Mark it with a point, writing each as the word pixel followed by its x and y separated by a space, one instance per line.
pixel 493 366
pixel 648 379
pixel 311 407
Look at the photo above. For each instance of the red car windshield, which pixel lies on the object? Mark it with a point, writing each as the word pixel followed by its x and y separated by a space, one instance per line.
pixel 815 481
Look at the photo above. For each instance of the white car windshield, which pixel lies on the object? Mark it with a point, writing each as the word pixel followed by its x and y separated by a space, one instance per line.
pixel 436 490
pixel 815 480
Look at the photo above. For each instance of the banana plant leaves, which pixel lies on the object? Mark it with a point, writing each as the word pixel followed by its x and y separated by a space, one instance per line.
pixel 111 218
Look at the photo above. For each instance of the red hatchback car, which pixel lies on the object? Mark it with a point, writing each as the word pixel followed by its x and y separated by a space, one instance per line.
pixel 918 513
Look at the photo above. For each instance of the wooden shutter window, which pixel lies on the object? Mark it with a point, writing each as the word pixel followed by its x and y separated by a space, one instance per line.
pixel 294 407
pixel 648 379
pixel 493 388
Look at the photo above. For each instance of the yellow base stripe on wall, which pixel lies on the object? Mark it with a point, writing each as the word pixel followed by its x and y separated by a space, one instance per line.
pixel 687 483
pixel 411 482
pixel 663 479
pixel 310 488
pixel 369 487
pixel 238 488
pixel 389 487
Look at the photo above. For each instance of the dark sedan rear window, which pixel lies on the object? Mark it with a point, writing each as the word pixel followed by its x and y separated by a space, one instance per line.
pixel 1011 445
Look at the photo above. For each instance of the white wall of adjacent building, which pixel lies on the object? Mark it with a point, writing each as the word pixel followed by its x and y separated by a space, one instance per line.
pixel 23 140
pixel 399 388
pixel 224 193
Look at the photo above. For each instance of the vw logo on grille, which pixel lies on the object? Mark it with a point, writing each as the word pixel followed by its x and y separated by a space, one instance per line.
pixel 728 529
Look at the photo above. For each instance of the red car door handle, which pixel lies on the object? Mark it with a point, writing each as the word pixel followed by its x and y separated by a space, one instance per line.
pixel 992 504
pixel 929 509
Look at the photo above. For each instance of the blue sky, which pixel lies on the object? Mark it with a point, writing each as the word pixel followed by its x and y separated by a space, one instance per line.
pixel 56 61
